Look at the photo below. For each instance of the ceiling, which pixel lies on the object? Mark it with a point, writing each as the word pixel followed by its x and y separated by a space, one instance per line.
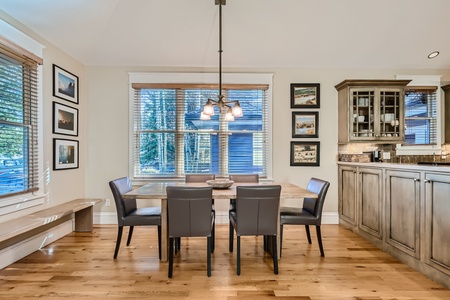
pixel 256 33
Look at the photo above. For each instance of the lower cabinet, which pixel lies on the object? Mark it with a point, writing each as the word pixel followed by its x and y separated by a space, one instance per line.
pixel 403 211
pixel 360 200
pixel 437 221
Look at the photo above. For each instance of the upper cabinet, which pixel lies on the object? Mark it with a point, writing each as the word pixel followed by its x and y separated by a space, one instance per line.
pixel 371 110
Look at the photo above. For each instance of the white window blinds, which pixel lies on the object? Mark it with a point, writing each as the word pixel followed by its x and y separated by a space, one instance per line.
pixel 170 140
pixel 18 122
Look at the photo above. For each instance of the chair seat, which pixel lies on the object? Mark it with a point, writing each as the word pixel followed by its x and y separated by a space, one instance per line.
pixel 296 215
pixel 143 216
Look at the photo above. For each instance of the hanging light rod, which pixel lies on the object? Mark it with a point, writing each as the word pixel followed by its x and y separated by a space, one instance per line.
pixel 224 106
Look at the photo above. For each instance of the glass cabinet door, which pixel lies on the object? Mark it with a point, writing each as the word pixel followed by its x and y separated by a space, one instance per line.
pixel 362 114
pixel 390 113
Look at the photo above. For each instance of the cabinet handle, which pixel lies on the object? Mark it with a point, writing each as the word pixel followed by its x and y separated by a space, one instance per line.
pixel 416 180
pixel 427 181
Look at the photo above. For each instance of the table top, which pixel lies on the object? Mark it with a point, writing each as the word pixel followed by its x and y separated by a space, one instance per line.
pixel 157 190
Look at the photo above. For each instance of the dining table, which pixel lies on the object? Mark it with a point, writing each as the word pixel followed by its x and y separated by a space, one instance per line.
pixel 157 190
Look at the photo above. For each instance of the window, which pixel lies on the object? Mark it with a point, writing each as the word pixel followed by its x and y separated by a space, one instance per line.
pixel 170 140
pixel 420 116
pixel 18 122
pixel 422 120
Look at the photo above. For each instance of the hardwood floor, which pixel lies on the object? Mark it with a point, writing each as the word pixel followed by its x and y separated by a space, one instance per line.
pixel 81 265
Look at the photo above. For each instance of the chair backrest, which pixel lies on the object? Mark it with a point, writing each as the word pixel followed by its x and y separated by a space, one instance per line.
pixel 315 205
pixel 252 178
pixel 257 209
pixel 199 177
pixel 189 211
pixel 119 187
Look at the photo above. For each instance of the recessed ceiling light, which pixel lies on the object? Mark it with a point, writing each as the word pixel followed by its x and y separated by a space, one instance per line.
pixel 433 54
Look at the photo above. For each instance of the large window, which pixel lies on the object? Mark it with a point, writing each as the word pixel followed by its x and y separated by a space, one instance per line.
pixel 170 140
pixel 18 123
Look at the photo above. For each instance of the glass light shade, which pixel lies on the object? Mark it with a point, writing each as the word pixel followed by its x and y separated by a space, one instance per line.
pixel 229 115
pixel 205 117
pixel 237 110
pixel 208 109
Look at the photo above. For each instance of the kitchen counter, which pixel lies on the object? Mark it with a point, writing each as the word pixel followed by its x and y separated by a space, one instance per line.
pixel 397 166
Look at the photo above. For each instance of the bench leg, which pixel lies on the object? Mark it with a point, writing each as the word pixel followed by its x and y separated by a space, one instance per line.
pixel 84 219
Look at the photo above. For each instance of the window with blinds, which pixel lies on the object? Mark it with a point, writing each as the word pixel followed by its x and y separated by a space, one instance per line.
pixel 18 123
pixel 170 140
pixel 421 116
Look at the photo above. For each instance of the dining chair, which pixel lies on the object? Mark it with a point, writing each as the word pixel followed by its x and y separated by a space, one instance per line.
pixel 200 178
pixel 128 214
pixel 189 215
pixel 246 178
pixel 309 214
pixel 256 214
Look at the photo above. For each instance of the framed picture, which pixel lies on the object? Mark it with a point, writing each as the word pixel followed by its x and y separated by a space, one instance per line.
pixel 305 95
pixel 305 154
pixel 65 119
pixel 65 84
pixel 65 154
pixel 305 124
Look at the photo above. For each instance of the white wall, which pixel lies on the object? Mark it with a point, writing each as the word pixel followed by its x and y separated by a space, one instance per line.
pixel 107 120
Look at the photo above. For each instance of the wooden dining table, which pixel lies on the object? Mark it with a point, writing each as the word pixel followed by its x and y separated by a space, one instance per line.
pixel 157 190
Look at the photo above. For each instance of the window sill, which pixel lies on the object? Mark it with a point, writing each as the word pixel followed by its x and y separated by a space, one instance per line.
pixel 17 203
pixel 417 150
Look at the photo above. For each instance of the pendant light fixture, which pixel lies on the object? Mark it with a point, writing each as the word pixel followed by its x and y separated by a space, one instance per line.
pixel 224 106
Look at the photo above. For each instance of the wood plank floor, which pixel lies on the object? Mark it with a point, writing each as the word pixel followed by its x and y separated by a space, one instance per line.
pixel 80 265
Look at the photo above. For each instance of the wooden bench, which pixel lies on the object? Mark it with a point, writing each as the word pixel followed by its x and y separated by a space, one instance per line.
pixel 26 226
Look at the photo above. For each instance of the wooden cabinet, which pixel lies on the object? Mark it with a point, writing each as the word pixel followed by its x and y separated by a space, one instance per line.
pixel 437 221
pixel 371 110
pixel 361 199
pixel 403 211
pixel 347 181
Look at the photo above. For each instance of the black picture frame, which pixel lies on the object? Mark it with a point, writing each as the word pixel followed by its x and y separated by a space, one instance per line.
pixel 305 124
pixel 65 119
pixel 305 154
pixel 65 154
pixel 65 84
pixel 305 95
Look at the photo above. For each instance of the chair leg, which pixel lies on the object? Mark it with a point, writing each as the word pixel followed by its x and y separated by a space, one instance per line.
pixel 281 239
pixel 208 258
pixel 159 242
pixel 319 239
pixel 275 256
pixel 231 236
pixel 170 267
pixel 308 234
pixel 130 234
pixel 119 238
pixel 238 255
pixel 213 234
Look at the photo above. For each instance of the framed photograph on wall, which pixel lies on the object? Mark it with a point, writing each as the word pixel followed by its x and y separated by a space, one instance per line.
pixel 305 95
pixel 65 154
pixel 65 84
pixel 65 119
pixel 305 154
pixel 305 124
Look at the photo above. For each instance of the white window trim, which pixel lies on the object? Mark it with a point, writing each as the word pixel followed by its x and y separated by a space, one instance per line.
pixel 425 80
pixel 199 78
pixel 15 203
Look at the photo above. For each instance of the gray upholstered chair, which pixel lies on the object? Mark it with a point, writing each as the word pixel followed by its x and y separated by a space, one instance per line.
pixel 256 214
pixel 309 214
pixel 246 178
pixel 189 215
pixel 201 178
pixel 129 215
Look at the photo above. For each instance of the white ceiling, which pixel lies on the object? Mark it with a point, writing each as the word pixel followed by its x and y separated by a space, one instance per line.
pixel 395 34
